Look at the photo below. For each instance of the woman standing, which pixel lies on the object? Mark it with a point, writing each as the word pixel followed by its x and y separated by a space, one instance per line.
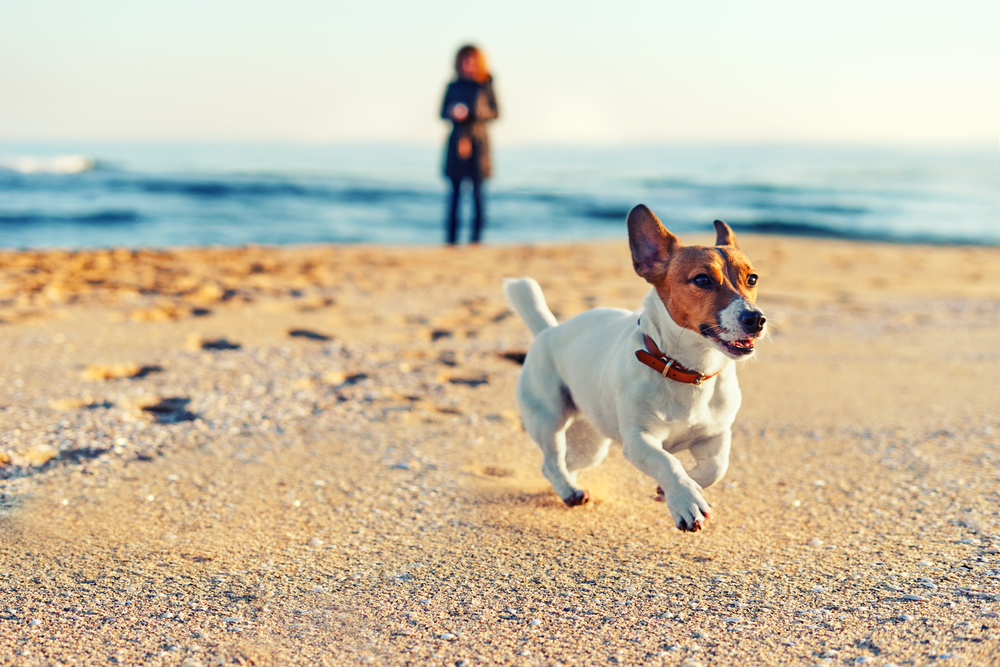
pixel 468 104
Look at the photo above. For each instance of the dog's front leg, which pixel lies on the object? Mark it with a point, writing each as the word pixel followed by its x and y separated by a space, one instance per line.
pixel 681 493
pixel 711 459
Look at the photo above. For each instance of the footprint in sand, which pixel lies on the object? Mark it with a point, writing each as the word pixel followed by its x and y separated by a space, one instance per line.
pixel 168 410
pixel 117 371
pixel 309 335
pixel 470 381
pixel 448 358
pixel 199 342
pixel 516 356
pixel 220 344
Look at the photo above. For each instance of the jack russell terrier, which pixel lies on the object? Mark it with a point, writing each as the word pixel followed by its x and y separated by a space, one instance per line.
pixel 658 382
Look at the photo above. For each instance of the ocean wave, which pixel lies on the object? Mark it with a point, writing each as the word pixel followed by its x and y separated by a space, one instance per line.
pixel 110 217
pixel 826 209
pixel 215 189
pixel 599 212
pixel 59 164
pixel 238 188
pixel 782 227
pixel 785 228
pixel 750 187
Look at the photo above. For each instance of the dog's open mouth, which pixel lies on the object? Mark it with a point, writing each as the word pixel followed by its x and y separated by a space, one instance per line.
pixel 737 348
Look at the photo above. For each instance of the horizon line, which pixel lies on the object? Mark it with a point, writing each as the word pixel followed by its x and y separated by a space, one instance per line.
pixel 382 143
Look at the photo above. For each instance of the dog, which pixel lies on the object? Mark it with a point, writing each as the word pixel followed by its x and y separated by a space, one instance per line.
pixel 658 381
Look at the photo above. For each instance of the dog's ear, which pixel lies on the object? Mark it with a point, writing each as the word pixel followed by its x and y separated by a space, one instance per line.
pixel 651 244
pixel 724 235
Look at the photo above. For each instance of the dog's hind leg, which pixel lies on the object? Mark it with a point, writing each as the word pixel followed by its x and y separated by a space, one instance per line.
pixel 547 412
pixel 585 447
pixel 548 430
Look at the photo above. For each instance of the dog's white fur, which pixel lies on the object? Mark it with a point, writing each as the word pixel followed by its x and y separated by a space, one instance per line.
pixel 582 387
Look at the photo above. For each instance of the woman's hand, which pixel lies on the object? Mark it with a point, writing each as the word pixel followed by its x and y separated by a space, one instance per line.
pixel 460 112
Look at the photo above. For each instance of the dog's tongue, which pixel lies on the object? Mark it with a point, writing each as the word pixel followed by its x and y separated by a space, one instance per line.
pixel 742 343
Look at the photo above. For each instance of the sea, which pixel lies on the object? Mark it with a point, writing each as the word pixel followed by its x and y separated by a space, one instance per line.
pixel 85 195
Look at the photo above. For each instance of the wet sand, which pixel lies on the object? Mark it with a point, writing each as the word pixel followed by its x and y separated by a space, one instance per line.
pixel 313 456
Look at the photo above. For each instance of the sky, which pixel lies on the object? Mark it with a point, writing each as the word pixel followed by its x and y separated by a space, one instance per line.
pixel 578 73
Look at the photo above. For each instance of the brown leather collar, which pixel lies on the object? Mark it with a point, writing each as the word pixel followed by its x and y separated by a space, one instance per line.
pixel 668 367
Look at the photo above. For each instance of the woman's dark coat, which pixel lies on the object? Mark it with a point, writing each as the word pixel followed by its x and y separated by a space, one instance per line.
pixel 482 105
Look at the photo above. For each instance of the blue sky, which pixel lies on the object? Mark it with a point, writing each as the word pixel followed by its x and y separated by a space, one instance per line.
pixel 566 72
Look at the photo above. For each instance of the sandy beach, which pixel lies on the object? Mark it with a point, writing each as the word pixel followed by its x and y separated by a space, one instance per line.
pixel 314 456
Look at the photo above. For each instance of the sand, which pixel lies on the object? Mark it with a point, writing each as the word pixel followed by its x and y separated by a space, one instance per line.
pixel 314 456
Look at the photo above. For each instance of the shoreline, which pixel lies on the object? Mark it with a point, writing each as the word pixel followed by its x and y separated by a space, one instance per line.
pixel 92 264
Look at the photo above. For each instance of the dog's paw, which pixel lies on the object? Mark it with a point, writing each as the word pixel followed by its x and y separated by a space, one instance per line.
pixel 689 510
pixel 577 498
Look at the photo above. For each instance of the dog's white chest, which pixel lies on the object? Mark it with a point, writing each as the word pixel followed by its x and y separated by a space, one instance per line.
pixel 681 417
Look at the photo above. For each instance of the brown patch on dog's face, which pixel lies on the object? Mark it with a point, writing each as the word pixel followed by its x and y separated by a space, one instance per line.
pixel 701 282
pixel 710 290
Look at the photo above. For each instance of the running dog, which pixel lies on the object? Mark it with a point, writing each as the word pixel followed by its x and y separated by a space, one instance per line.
pixel 659 381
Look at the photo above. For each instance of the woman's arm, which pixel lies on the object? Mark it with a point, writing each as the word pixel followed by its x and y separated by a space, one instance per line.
pixel 451 109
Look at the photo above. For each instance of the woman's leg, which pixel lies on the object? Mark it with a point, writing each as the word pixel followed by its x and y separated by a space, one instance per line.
pixel 477 197
pixel 451 231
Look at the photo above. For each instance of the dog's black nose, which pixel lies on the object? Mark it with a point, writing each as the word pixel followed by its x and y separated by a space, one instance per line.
pixel 752 321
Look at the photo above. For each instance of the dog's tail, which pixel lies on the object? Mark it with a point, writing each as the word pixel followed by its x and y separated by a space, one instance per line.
pixel 526 299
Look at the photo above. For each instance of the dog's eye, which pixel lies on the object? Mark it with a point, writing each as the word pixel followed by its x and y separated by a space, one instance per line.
pixel 752 279
pixel 702 280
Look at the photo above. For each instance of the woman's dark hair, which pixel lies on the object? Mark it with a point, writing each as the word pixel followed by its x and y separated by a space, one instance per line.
pixel 482 73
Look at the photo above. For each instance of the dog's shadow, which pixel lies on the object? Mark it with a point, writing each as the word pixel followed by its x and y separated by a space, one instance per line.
pixel 497 486
pixel 524 499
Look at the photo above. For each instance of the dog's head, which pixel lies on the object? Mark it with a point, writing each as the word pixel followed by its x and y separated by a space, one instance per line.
pixel 710 290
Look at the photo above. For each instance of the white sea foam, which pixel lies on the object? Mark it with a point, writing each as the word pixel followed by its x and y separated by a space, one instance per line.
pixel 59 164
